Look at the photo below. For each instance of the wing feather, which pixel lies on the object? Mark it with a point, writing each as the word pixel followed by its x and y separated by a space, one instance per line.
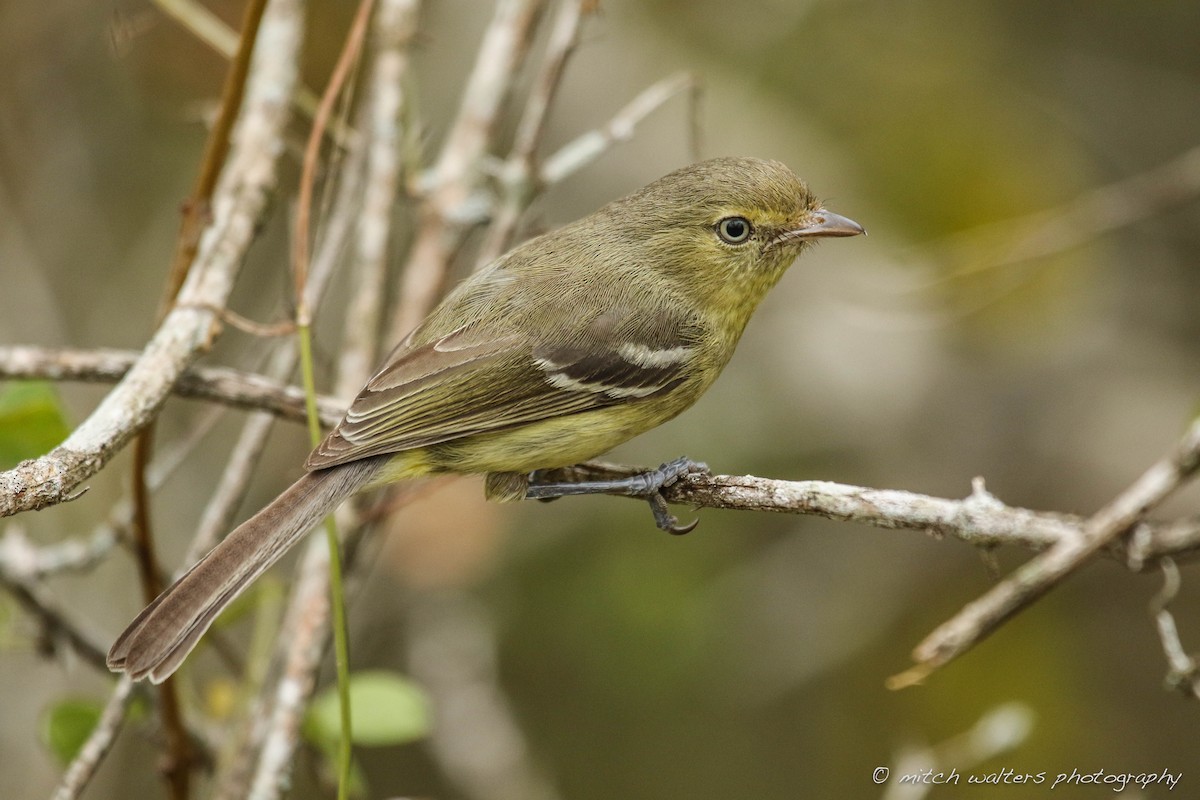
pixel 471 381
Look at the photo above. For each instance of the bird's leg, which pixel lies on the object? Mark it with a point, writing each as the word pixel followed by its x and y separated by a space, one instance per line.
pixel 647 485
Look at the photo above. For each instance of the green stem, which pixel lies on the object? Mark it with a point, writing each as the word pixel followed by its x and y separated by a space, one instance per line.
pixel 341 640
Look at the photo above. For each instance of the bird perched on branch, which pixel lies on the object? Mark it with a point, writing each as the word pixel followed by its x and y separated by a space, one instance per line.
pixel 559 350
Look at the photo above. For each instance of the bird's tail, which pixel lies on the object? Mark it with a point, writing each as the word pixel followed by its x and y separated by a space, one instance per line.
pixel 160 638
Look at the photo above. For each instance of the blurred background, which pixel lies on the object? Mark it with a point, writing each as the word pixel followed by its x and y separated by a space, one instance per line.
pixel 748 659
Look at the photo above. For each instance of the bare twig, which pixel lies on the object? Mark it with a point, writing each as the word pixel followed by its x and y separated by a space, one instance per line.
pixel 56 627
pixel 1183 673
pixel 451 205
pixel 1033 579
pixel 304 633
pixel 235 482
pixel 23 559
pixel 517 176
pixel 234 777
pixel 341 71
pixel 218 384
pixel 395 27
pixel 980 519
pixel 586 148
pixel 190 327
pixel 213 32
pixel 80 771
pixel 307 620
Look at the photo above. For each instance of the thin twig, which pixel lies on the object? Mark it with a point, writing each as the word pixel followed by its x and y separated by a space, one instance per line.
pixel 395 27
pixel 586 148
pixel 234 777
pixel 308 176
pixel 21 557
pixel 980 519
pixel 1183 673
pixel 235 481
pixel 451 206
pixel 213 32
pixel 347 61
pixel 307 621
pixel 517 176
pixel 1038 575
pixel 56 627
pixel 231 387
pixel 189 329
pixel 81 769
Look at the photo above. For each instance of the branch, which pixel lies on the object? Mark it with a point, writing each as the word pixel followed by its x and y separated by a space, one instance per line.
pixel 192 325
pixel 980 519
pixel 1183 673
pixel 1033 579
pixel 517 176
pixel 83 767
pixel 218 384
pixel 56 628
pixel 306 626
pixel 450 207
pixel 586 148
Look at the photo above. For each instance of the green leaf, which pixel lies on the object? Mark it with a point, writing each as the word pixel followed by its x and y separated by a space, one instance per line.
pixel 31 421
pixel 387 709
pixel 67 725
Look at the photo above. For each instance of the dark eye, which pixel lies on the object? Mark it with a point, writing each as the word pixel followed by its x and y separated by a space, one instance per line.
pixel 734 230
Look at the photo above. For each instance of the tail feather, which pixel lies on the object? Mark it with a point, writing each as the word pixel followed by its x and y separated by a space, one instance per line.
pixel 160 638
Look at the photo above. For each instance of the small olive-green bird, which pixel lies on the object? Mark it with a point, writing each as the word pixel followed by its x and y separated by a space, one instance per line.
pixel 566 346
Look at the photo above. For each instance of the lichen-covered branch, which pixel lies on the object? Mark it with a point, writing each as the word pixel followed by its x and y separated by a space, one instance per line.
pixel 219 384
pixel 192 325
pixel 1046 570
pixel 980 519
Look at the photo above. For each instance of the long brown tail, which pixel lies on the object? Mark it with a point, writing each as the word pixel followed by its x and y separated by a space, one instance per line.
pixel 160 638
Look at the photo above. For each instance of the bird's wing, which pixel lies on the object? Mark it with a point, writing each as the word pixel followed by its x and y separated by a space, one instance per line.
pixel 471 381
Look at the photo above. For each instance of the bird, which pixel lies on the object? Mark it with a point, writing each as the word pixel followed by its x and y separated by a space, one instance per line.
pixel 562 348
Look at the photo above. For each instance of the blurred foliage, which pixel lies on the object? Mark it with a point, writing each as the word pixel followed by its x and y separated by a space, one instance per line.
pixel 67 725
pixel 387 709
pixel 31 421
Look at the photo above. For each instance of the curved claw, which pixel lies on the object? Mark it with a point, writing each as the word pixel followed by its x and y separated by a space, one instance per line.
pixel 667 521
pixel 680 530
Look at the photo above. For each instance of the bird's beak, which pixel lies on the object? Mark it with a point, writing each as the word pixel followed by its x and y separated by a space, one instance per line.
pixel 820 223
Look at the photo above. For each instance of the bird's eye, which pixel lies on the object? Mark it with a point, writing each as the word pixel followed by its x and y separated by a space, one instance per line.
pixel 734 230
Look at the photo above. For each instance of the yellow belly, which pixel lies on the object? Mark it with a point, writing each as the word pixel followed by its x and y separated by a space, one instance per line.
pixel 555 442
